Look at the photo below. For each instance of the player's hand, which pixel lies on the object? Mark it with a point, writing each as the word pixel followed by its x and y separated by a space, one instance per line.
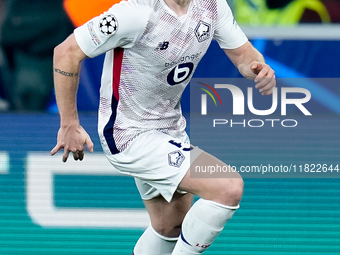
pixel 265 77
pixel 72 139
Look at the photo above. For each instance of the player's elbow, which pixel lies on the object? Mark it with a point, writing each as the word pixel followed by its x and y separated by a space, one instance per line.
pixel 68 51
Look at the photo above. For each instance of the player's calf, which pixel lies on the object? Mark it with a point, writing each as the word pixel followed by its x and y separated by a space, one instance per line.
pixel 202 224
pixel 154 243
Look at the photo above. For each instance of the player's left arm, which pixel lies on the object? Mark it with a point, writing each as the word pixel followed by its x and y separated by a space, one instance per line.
pixel 251 64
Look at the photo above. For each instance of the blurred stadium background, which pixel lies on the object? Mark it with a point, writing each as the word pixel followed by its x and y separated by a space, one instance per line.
pixel 47 207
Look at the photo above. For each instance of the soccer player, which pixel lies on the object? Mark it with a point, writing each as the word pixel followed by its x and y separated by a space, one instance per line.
pixel 152 49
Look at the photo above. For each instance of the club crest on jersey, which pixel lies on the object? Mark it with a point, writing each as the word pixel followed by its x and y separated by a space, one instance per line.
pixel 202 31
pixel 108 25
pixel 176 158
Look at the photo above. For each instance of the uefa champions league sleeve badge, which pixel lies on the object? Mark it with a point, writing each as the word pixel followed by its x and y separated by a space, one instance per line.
pixel 108 25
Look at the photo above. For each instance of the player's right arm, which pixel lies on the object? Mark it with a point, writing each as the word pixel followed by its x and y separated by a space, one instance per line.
pixel 127 23
pixel 66 66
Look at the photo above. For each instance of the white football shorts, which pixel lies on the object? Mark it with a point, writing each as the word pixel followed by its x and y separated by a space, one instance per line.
pixel 158 162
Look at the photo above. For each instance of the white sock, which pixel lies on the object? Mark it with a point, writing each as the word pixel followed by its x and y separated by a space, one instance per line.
pixel 153 243
pixel 202 224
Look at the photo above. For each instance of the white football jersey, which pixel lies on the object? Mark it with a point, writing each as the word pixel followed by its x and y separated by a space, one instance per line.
pixel 151 54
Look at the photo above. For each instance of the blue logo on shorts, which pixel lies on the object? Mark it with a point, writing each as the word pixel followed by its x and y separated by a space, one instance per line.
pixel 176 158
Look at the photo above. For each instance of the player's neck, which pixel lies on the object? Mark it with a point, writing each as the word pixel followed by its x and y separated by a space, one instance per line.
pixel 180 7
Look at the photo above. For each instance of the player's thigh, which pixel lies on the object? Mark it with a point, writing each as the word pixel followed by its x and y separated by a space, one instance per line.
pixel 166 217
pixel 224 187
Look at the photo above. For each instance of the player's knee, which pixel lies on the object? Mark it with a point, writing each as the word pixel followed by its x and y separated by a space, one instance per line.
pixel 236 191
pixel 167 230
pixel 232 192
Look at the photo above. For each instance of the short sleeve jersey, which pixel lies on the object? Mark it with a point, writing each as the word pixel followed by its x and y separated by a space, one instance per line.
pixel 151 54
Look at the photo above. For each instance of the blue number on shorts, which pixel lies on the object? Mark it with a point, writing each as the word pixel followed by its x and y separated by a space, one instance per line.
pixel 178 145
pixel 188 149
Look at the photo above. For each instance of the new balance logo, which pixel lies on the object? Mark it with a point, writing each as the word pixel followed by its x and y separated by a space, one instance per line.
pixel 162 45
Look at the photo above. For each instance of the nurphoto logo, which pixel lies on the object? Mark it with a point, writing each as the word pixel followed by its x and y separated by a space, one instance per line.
pixel 239 105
